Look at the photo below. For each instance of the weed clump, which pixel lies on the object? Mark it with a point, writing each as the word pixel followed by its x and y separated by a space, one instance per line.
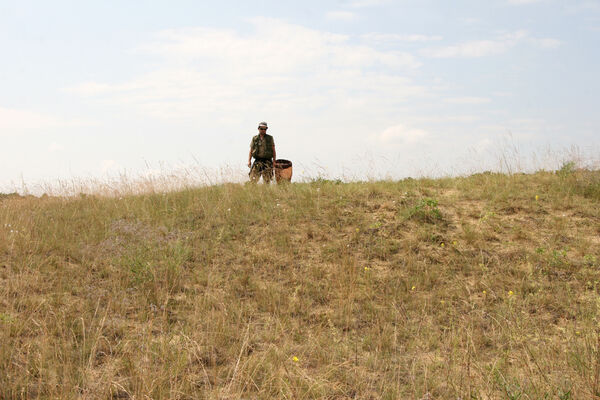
pixel 426 210
pixel 568 168
pixel 579 181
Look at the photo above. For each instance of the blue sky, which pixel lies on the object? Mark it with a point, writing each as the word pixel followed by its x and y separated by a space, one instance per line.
pixel 353 88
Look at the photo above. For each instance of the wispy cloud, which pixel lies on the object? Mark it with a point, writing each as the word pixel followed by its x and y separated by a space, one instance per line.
pixel 467 100
pixel 590 6
pixel 391 37
pixel 489 47
pixel 89 89
pixel 521 2
pixel 546 43
pixel 18 120
pixel 471 49
pixel 367 3
pixel 341 15
pixel 401 133
pixel 207 71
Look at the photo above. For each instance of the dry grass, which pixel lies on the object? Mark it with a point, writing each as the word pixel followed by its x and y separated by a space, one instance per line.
pixel 481 287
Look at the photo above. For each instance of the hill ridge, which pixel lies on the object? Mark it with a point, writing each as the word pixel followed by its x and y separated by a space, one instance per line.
pixel 482 287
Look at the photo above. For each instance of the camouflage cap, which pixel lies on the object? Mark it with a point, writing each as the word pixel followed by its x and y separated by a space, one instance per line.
pixel 263 124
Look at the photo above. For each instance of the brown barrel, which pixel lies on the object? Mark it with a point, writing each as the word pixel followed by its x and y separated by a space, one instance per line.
pixel 283 171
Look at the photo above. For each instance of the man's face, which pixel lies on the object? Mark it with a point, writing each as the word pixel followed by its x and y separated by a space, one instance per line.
pixel 262 130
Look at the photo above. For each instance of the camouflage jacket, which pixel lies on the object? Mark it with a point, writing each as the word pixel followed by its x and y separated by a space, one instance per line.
pixel 262 148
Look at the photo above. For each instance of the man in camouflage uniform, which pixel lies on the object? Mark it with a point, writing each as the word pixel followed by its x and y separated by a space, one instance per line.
pixel 262 148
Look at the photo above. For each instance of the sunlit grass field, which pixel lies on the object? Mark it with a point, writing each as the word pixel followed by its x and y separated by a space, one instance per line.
pixel 479 287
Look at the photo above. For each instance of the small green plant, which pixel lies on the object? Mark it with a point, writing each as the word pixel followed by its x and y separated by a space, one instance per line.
pixel 540 250
pixel 376 225
pixel 322 181
pixel 5 318
pixel 513 391
pixel 140 267
pixel 565 395
pixel 590 260
pixel 558 258
pixel 568 168
pixel 487 215
pixel 589 185
pixel 426 211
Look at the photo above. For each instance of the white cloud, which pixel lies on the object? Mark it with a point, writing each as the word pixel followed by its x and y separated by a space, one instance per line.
pixel 391 37
pixel 341 15
pixel 16 120
pixel 467 100
pixel 89 89
pixel 489 47
pixel 401 133
pixel 546 43
pixel 368 3
pixel 521 2
pixel 583 7
pixel 274 46
pixel 476 48
pixel 464 118
pixel 277 66
pixel 472 21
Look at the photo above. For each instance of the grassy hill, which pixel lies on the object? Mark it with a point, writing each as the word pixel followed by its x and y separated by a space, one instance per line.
pixel 483 287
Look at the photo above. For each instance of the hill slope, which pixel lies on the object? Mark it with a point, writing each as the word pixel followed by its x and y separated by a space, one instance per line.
pixel 480 287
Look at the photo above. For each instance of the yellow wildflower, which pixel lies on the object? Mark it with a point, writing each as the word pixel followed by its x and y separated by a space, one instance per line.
pixel 510 293
pixel 442 244
pixel 413 288
pixel 295 359
pixel 537 197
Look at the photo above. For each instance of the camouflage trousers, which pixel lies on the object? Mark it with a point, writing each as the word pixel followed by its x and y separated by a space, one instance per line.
pixel 261 167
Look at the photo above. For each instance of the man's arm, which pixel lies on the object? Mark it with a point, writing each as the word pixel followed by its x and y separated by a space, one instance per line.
pixel 274 155
pixel 250 158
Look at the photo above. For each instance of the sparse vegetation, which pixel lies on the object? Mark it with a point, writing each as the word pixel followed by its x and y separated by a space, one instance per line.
pixel 480 287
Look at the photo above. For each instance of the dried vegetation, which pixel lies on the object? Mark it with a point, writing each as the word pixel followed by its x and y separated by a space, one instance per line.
pixel 480 287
